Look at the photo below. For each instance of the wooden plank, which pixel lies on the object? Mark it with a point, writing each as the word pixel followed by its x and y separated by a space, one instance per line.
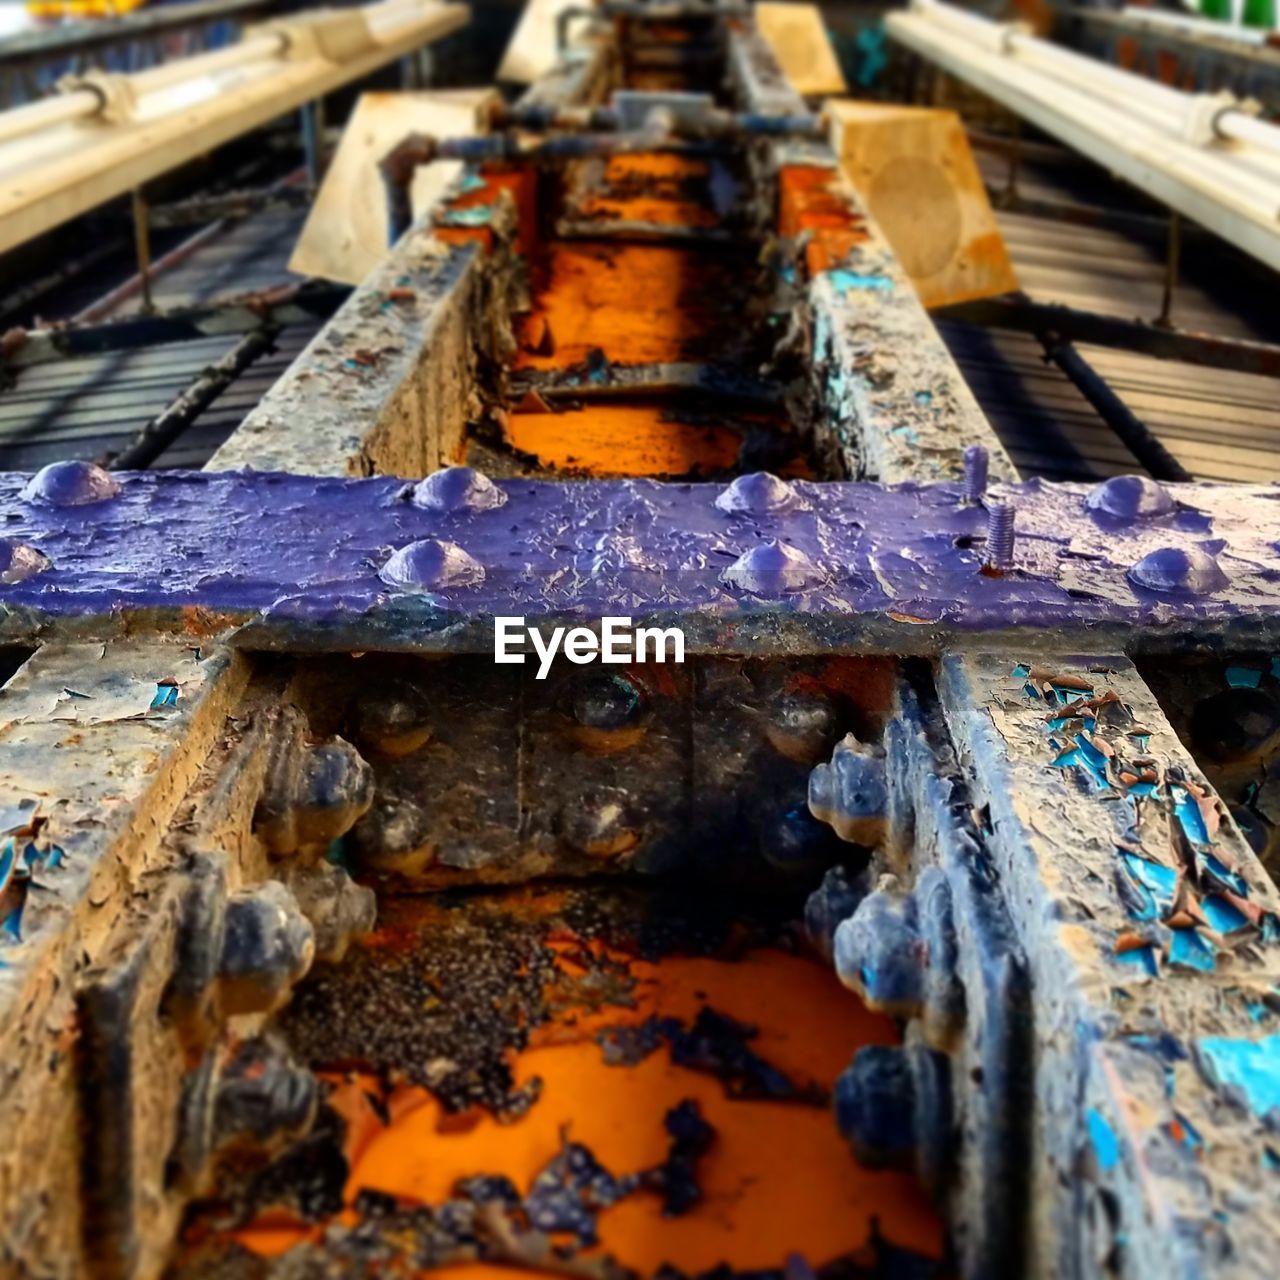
pixel 531 51
pixel 346 232
pixel 803 49
pixel 913 168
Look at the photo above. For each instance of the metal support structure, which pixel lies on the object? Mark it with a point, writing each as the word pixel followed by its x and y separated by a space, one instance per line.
pixel 142 245
pixel 1173 255
pixel 1022 315
pixel 308 127
pixel 158 434
pixel 1136 436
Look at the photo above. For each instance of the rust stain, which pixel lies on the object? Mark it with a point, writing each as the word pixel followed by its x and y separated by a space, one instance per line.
pixel 778 1179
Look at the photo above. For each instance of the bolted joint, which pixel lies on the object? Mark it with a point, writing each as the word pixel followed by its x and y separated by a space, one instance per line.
pixel 977 466
pixel 262 1095
pixel 339 910
pixel 894 1106
pixel 880 954
pixel 831 903
pixel 899 952
pixel 268 944
pixel 1001 533
pixel 253 1100
pixel 849 793
pixel 315 791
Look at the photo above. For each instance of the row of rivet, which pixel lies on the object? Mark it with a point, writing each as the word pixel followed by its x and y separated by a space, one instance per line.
pixel 766 569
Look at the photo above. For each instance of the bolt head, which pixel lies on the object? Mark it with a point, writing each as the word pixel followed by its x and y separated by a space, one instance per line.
pixel 758 494
pixel 457 490
pixel 773 569
pixel 1178 571
pixel 1130 498
pixel 71 484
pixel 431 565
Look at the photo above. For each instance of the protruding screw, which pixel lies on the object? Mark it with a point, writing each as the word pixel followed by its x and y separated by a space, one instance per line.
pixel 976 464
pixel 1000 536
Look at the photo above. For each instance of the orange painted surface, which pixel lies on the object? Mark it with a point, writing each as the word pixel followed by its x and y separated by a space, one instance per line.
pixel 653 188
pixel 806 203
pixel 778 1179
pixel 639 303
pixel 623 440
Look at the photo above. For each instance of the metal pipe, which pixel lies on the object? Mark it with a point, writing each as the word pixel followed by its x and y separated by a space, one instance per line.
pixel 1219 188
pixel 158 434
pixel 1132 431
pixel 261 48
pixel 1159 104
pixel 61 108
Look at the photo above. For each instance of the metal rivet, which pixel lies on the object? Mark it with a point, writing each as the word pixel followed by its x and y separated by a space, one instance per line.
pixel 429 565
pixel 1179 571
pixel 456 489
pixel 757 494
pixel 70 484
pixel 771 569
pixel 1130 498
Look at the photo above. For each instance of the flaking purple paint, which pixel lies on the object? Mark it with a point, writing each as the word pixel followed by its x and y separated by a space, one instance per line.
pixel 312 549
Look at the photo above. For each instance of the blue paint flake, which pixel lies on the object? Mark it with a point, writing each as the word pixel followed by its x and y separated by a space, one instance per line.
pixel 1105 1143
pixel 1143 958
pixel 1212 865
pixel 166 696
pixel 1189 816
pixel 476 215
pixel 1248 1068
pixel 1223 916
pixel 844 281
pixel 1162 881
pixel 1245 677
pixel 1192 950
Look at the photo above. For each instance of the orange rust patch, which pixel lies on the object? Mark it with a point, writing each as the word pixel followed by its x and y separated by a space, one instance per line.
pixel 639 303
pixel 778 1179
pixel 623 440
pixel 807 203
pixel 652 188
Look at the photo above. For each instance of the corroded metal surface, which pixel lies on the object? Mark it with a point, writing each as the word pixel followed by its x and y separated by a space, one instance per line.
pixel 1149 928
pixel 857 559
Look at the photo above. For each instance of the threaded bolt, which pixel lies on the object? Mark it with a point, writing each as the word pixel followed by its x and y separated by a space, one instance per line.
pixel 1000 535
pixel 975 473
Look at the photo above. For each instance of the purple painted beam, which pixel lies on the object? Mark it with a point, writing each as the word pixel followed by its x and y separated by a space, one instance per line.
pixel 314 560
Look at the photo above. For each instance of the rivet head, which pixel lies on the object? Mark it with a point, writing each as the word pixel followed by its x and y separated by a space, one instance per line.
pixel 71 484
pixel 1178 571
pixel 1130 498
pixel 457 489
pixel 772 569
pixel 758 494
pixel 18 561
pixel 431 565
